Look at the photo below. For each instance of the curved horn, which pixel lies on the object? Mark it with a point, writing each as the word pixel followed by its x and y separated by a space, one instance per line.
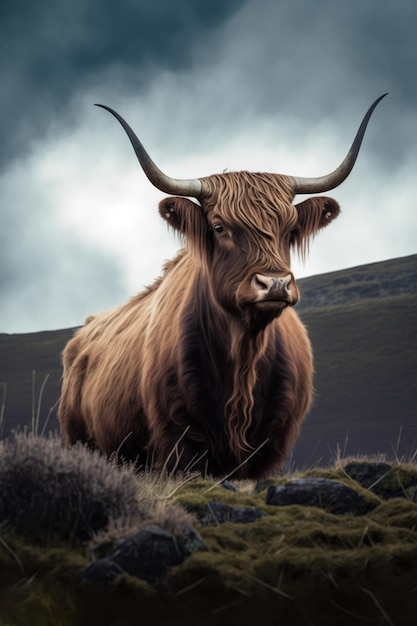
pixel 191 187
pixel 325 183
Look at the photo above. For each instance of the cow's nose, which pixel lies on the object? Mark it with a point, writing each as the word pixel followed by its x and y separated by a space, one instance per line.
pixel 273 288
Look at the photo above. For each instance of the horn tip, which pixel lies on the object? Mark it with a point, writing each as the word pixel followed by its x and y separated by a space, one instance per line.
pixel 380 97
pixel 109 109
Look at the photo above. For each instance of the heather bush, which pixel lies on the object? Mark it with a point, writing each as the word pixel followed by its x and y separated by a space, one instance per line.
pixel 47 488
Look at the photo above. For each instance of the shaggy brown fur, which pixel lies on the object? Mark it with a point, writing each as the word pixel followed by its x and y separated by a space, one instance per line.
pixel 190 373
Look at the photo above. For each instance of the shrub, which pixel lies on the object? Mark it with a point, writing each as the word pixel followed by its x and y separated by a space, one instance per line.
pixel 47 488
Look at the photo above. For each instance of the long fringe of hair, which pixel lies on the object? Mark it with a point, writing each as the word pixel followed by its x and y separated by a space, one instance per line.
pixel 245 353
pixel 236 197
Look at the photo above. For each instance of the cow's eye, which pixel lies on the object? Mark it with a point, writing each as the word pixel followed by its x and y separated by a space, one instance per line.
pixel 219 229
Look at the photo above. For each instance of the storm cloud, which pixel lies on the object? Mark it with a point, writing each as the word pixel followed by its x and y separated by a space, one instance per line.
pixel 256 84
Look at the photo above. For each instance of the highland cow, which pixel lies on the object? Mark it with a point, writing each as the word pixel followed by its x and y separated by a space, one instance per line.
pixel 209 368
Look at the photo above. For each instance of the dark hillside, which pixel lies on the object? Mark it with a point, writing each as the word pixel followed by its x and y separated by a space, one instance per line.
pixel 25 361
pixel 366 373
pixel 363 326
pixel 378 280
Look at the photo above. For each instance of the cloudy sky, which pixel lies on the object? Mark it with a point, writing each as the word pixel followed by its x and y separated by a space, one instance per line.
pixel 263 85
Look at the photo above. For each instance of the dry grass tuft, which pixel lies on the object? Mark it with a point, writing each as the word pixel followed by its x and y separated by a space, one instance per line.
pixel 46 488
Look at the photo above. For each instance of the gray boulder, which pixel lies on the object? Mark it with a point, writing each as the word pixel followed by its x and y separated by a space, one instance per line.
pixel 319 492
pixel 381 479
pixel 367 474
pixel 147 555
pixel 214 513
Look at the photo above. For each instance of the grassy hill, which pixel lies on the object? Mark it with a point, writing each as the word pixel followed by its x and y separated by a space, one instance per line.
pixel 363 326
pixel 85 542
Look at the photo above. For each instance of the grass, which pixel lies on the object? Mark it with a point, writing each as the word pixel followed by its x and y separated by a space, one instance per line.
pixel 298 565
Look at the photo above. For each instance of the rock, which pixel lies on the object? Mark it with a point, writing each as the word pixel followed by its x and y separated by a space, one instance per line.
pixel 319 492
pixel 381 479
pixel 102 571
pixel 214 513
pixel 367 474
pixel 227 485
pixel 147 555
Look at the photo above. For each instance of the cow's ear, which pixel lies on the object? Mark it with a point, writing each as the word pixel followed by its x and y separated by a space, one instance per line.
pixel 179 213
pixel 315 213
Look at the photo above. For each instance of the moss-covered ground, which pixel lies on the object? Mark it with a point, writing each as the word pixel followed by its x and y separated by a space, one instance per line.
pixel 296 565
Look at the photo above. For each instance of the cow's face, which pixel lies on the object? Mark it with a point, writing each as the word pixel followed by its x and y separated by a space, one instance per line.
pixel 242 236
pixel 243 231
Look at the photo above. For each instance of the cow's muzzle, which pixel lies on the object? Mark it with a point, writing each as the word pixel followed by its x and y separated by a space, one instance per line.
pixel 270 290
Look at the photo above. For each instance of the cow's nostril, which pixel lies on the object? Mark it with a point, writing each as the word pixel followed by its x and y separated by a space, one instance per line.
pixel 261 282
pixel 286 283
